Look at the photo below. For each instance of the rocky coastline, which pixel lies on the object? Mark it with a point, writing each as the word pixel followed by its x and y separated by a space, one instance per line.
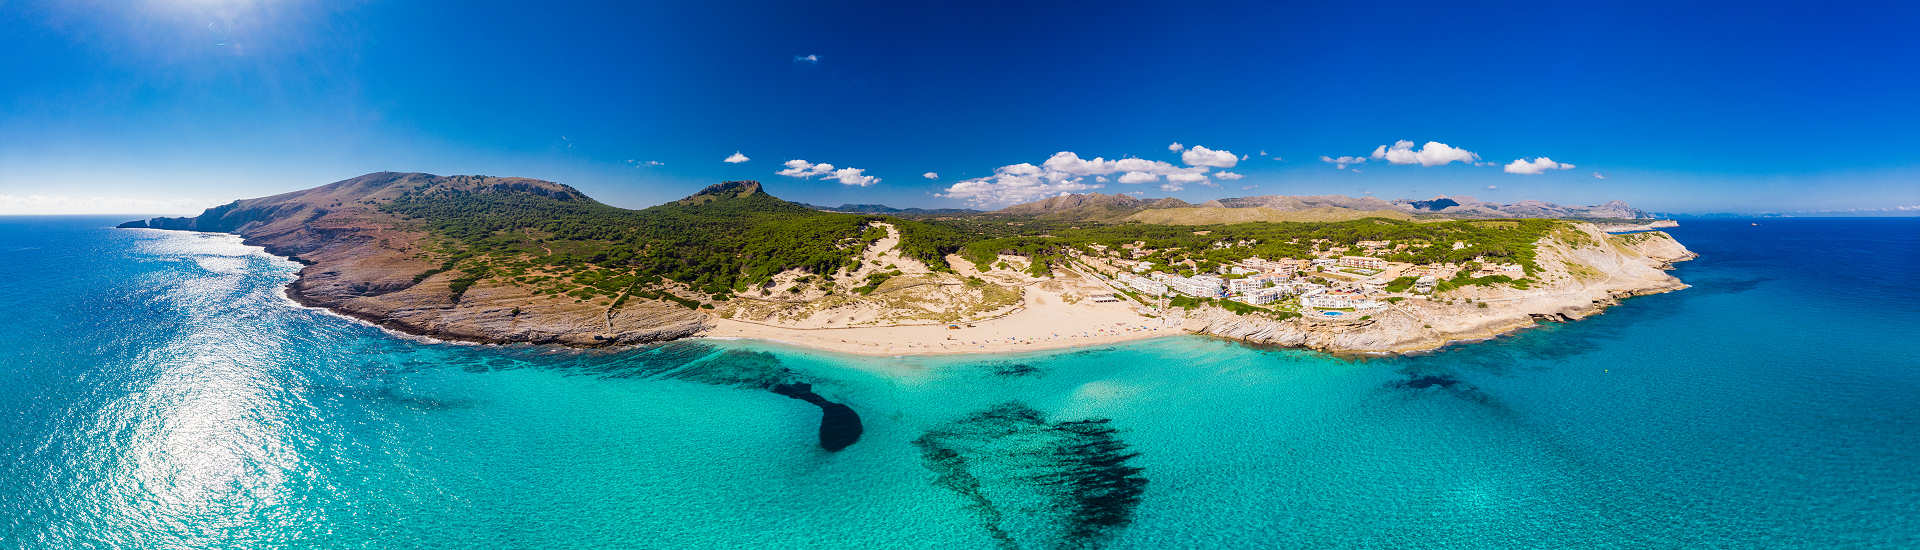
pixel 1583 276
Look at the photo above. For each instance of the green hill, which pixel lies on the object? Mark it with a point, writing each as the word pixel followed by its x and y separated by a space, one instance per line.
pixel 718 240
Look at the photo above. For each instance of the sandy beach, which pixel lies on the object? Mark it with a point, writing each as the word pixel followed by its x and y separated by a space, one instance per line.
pixel 1046 322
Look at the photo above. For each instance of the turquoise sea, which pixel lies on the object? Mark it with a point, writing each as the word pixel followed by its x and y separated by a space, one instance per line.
pixel 157 391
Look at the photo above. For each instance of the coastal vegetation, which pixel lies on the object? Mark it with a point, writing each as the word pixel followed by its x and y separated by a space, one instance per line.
pixel 713 244
pixel 1210 246
pixel 733 237
pixel 1401 284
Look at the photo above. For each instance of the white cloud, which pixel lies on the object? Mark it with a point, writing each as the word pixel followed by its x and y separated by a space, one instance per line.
pixel 1493 187
pixel 1172 187
pixel 1176 147
pixel 809 59
pixel 1228 176
pixel 655 163
pixel 854 177
pixel 37 204
pixel 1015 183
pixel 1599 176
pixel 1539 166
pixel 1067 172
pixel 1249 187
pixel 1187 177
pixel 930 175
pixel 1341 163
pixel 1433 153
pixel 1131 164
pixel 1199 155
pixel 1263 152
pixel 798 168
pixel 735 158
pixel 1069 164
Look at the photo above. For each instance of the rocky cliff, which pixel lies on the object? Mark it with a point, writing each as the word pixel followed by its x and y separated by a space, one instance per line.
pixel 366 263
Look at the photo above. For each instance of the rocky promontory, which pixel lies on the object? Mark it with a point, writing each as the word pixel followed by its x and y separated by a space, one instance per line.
pixel 1583 272
pixel 364 262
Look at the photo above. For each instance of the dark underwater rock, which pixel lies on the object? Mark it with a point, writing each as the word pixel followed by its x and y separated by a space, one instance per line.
pixel 1004 459
pixel 697 362
pixel 1014 369
pixel 1424 381
pixel 839 425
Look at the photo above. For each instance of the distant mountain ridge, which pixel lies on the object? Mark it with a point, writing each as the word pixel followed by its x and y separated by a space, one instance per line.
pixel 884 209
pixel 368 190
pixel 1091 206
pixel 1120 207
pixel 1097 206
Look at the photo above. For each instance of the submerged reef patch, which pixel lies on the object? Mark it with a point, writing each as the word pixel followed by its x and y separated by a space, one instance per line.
pixel 1011 369
pixel 1035 483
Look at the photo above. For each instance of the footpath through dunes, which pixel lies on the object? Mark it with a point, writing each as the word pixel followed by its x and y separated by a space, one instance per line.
pixel 920 311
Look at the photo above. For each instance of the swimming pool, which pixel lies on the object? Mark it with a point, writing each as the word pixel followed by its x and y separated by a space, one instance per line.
pixel 1332 313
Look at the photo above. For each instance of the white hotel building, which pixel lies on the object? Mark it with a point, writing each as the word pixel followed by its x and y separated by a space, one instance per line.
pixel 1204 286
pixel 1143 284
pixel 1363 261
pixel 1249 284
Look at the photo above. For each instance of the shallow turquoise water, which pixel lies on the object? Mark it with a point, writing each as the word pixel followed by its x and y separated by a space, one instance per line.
pixel 156 391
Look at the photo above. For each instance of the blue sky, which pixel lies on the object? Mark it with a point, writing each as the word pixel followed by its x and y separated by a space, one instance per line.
pixel 171 106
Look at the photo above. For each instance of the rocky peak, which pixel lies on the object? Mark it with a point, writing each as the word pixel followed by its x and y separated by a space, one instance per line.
pixel 724 190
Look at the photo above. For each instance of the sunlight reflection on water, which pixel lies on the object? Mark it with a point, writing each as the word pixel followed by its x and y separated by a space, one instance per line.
pixel 203 427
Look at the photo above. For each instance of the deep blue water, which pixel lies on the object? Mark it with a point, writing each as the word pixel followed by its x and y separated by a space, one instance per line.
pixel 156 391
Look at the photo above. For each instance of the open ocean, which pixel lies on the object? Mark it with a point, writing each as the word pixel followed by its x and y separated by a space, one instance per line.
pixel 158 391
